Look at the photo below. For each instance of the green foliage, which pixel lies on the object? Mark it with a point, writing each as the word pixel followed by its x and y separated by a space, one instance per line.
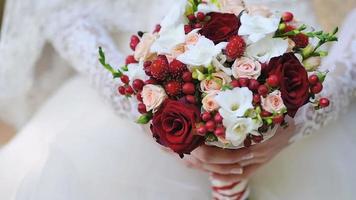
pixel 102 60
pixel 144 119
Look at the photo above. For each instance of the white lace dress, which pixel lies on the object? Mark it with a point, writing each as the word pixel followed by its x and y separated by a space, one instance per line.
pixel 77 148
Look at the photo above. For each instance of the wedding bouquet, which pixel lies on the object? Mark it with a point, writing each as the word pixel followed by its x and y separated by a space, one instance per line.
pixel 222 73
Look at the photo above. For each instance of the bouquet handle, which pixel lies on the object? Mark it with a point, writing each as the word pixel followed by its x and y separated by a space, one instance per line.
pixel 238 190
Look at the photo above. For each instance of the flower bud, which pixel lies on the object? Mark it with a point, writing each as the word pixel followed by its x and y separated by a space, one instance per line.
pixel 307 51
pixel 312 63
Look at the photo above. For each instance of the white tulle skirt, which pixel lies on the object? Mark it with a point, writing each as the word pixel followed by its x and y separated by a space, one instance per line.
pixel 76 148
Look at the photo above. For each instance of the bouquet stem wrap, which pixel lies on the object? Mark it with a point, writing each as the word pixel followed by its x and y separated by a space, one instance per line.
pixel 229 191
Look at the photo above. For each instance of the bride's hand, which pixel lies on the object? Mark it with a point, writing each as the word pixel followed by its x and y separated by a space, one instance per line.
pixel 232 165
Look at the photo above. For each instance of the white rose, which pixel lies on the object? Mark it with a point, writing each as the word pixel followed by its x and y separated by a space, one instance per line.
pixel 246 68
pixel 237 130
pixel 153 96
pixel 234 103
pixel 201 53
pixel 257 27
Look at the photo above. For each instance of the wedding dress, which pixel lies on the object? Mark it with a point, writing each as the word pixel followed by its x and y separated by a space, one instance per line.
pixel 75 147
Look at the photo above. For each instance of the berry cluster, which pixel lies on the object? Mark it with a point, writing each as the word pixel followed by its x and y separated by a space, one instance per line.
pixel 212 123
pixel 195 21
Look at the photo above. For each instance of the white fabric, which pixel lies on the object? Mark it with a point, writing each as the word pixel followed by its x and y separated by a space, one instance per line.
pixel 78 149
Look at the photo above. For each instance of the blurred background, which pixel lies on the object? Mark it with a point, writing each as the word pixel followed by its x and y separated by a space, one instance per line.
pixel 330 13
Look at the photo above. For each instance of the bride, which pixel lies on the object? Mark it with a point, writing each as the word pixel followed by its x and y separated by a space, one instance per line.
pixel 76 147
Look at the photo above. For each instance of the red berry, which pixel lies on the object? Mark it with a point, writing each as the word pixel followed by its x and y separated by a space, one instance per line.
pixel 218 118
pixel 157 28
pixel 139 97
pixel 122 90
pixel 147 64
pixel 125 79
pixel 220 132
pixel 263 90
pixel 187 77
pixel 210 126
pixel 130 60
pixel 301 40
pixel 289 28
pixel 191 17
pixel 147 68
pixel 142 108
pixel 138 84
pixel 191 99
pixel 287 16
pixel 253 85
pixel 256 98
pixel 244 82
pixel 313 79
pixel 317 88
pixel 206 116
pixel 151 81
pixel 257 138
pixel 189 88
pixel 200 16
pixel 324 102
pixel 278 119
pixel 235 83
pixel 129 90
pixel 236 47
pixel 176 68
pixel 247 142
pixel 265 114
pixel 187 28
pixel 173 88
pixel 273 80
pixel 202 130
pixel 198 25
pixel 159 68
pixel 134 42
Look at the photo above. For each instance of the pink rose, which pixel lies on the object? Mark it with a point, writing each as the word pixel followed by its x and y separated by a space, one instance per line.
pixel 192 38
pixel 217 81
pixel 260 10
pixel 142 50
pixel 273 103
pixel 231 6
pixel 209 102
pixel 153 96
pixel 246 68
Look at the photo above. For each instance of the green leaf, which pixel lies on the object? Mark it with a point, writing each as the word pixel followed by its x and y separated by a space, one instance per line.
pixel 102 60
pixel 144 119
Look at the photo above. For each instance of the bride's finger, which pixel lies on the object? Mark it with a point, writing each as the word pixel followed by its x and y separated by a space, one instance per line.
pixel 224 169
pixel 259 160
pixel 248 171
pixel 215 155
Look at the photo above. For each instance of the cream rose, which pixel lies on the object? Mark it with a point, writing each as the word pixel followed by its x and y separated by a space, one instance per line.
pixel 218 80
pixel 273 103
pixel 153 96
pixel 209 102
pixel 246 68
pixel 142 50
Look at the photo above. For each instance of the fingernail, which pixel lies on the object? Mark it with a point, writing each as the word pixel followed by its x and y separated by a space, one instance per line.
pixel 237 171
pixel 247 157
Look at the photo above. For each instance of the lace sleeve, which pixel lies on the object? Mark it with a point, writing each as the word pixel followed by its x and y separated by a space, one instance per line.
pixel 340 85
pixel 76 36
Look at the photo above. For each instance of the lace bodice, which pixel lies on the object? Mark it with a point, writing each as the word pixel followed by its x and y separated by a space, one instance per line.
pixel 77 29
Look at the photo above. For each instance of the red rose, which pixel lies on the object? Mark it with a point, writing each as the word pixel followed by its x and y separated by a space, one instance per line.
pixel 173 126
pixel 220 27
pixel 294 84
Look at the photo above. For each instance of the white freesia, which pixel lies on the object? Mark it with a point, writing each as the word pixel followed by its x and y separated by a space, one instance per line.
pixel 168 39
pixel 257 27
pixel 234 103
pixel 175 16
pixel 237 130
pixel 267 48
pixel 207 8
pixel 202 53
pixel 135 71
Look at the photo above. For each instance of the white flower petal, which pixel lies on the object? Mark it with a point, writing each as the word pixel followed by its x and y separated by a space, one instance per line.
pixel 175 16
pixel 257 27
pixel 207 8
pixel 267 48
pixel 202 53
pixel 168 39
